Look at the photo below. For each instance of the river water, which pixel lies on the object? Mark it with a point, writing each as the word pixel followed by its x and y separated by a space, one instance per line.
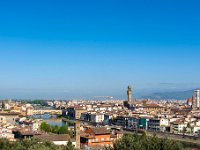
pixel 51 119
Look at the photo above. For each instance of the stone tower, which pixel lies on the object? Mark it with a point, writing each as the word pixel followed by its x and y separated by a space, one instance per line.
pixel 77 134
pixel 196 100
pixel 129 94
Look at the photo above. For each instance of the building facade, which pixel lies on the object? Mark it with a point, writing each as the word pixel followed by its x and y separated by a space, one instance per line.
pixel 196 100
pixel 154 125
pixel 95 138
pixel 128 103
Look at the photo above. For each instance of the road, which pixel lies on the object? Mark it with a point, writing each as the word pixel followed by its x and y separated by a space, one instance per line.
pixel 169 136
pixel 181 138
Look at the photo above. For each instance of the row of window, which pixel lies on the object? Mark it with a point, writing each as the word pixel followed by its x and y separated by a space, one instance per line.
pixel 98 140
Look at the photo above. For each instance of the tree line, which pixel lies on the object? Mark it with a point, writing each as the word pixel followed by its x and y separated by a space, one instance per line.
pixel 143 142
pixel 32 144
pixel 55 129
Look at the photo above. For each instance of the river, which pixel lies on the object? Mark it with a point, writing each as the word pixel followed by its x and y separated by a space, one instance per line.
pixel 51 119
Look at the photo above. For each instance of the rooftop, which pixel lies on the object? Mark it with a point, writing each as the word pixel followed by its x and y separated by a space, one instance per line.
pixel 53 137
pixel 100 131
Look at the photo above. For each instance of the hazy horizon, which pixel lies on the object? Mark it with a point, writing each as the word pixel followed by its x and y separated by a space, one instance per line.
pixel 50 94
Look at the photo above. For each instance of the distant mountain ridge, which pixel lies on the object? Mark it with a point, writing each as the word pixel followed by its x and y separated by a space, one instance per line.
pixel 179 95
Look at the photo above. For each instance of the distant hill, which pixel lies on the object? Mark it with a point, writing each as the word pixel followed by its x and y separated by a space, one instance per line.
pixel 180 95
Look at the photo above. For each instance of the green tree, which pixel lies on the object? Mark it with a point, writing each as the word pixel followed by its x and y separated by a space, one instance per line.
pixel 137 142
pixel 63 130
pixel 70 133
pixel 184 130
pixel 54 129
pixel 69 146
pixel 32 144
pixel 45 127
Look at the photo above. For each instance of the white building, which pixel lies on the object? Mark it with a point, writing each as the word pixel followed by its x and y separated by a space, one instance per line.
pixel 97 118
pixel 164 122
pixel 196 129
pixel 56 139
pixel 36 126
pixel 178 126
pixel 6 134
pixel 7 106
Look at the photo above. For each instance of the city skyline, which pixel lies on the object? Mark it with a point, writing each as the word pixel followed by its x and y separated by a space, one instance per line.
pixel 57 50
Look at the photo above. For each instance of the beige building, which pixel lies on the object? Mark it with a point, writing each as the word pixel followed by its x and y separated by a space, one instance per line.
pixel 29 111
pixel 9 116
pixel 3 120
pixel 78 113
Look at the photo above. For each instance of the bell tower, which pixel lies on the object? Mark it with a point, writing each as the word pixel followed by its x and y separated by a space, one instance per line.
pixel 129 94
pixel 77 134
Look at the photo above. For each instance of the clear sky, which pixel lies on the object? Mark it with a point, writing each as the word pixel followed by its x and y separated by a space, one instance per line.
pixel 55 48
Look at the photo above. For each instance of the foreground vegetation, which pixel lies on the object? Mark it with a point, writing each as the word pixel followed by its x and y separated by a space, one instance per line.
pixel 138 142
pixel 32 144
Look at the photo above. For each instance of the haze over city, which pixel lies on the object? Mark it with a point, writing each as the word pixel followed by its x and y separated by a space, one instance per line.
pixel 81 49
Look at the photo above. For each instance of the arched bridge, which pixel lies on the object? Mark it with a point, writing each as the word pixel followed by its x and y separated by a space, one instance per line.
pixel 52 112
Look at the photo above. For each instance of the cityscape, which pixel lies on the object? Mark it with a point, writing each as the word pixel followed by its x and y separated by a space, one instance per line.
pixel 99 75
pixel 96 124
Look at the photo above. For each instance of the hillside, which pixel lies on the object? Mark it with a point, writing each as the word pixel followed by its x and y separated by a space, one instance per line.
pixel 179 95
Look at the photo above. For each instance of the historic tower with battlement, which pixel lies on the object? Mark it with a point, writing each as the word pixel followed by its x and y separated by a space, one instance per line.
pixel 129 94
pixel 128 103
pixel 196 100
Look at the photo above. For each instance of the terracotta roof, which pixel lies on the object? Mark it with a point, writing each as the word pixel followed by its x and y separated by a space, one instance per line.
pixel 180 121
pixel 113 136
pixel 25 131
pixel 53 137
pixel 86 135
pixel 100 131
pixel 152 106
pixel 8 113
pixel 189 100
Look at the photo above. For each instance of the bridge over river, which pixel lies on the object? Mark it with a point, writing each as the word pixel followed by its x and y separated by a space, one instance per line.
pixel 48 111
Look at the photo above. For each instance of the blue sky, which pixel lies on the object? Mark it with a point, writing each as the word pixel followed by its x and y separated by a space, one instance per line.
pixel 74 49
